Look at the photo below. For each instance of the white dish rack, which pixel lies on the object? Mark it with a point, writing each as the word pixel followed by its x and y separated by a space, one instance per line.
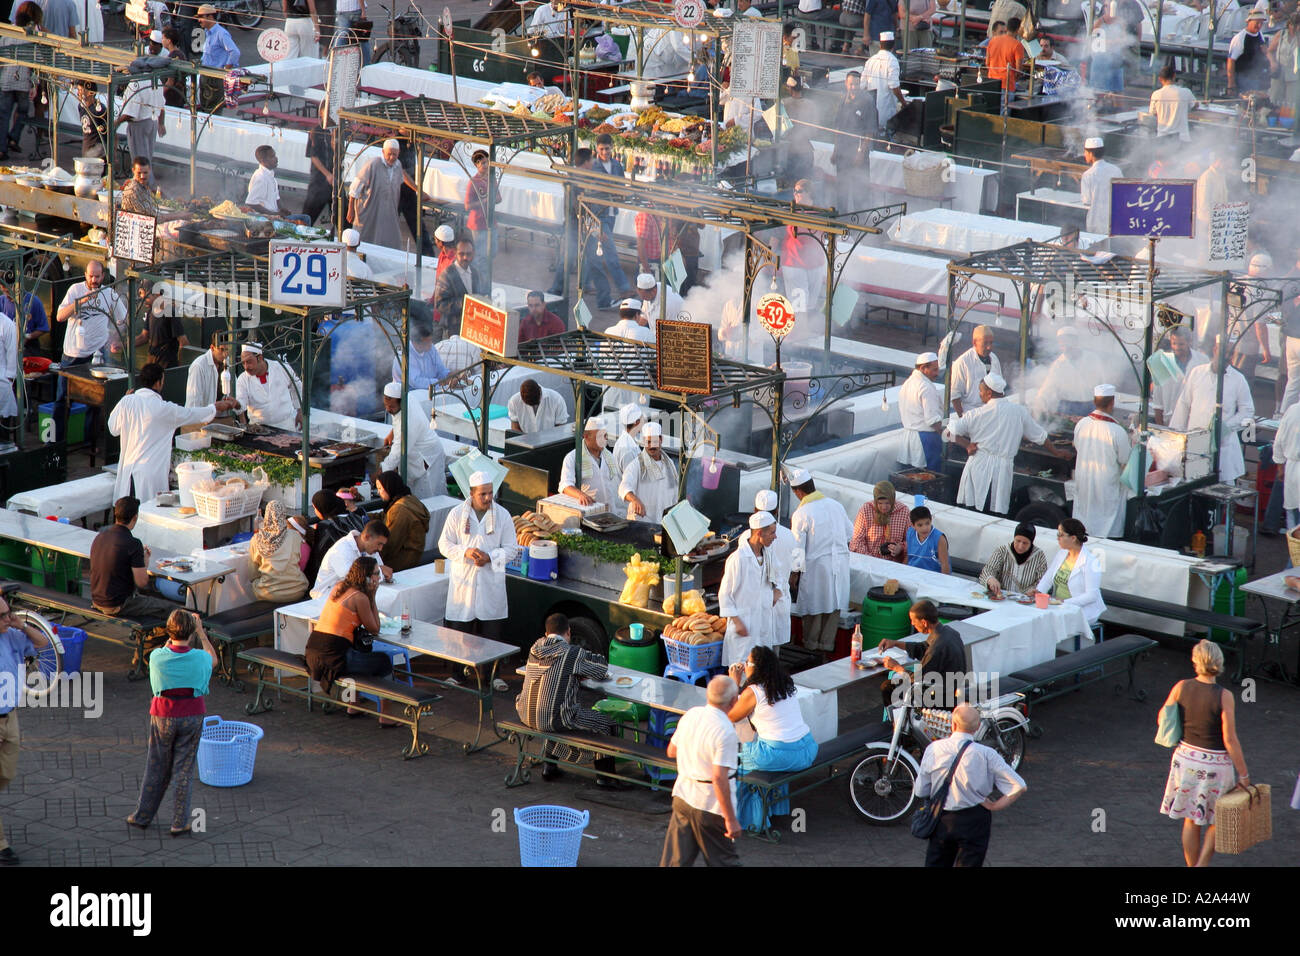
pixel 225 508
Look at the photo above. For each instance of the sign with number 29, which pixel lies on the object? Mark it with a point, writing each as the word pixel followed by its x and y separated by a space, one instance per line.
pixel 308 273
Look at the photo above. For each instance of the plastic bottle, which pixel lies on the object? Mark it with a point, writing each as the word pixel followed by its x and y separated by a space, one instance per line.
pixel 363 489
pixel 406 616
pixel 1198 543
pixel 523 561
pixel 855 645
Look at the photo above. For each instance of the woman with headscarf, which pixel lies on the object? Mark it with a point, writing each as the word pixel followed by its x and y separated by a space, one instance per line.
pixel 275 554
pixel 880 528
pixel 408 522
pixel 1016 566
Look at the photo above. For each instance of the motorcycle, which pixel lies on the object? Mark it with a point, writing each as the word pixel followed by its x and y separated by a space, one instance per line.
pixel 881 785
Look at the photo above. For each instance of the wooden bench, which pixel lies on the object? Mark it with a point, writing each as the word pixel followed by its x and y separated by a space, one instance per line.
pixel 415 702
pixel 231 630
pixel 1049 679
pixel 601 744
pixel 72 609
pixel 837 750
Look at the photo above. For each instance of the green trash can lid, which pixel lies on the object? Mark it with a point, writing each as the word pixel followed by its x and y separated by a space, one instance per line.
pixel 878 594
pixel 648 636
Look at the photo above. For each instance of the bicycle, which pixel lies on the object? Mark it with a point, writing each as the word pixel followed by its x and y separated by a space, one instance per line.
pixel 404 35
pixel 48 659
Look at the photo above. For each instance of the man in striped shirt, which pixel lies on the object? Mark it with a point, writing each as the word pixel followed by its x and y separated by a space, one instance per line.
pixel 549 700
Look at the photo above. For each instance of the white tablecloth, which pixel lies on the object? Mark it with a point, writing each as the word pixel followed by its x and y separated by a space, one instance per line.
pixel 899 279
pixel 961 233
pixel 972 189
pixel 165 529
pixel 72 499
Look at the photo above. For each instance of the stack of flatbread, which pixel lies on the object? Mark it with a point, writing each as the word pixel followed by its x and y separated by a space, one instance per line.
pixel 700 628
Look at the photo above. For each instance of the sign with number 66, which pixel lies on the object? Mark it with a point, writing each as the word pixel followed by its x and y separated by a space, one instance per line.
pixel 308 273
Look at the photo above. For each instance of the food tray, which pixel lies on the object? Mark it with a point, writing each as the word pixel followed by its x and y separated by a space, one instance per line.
pixel 108 372
pixel 222 431
pixel 604 522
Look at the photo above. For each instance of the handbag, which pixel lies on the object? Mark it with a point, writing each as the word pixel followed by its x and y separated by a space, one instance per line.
pixel 1242 818
pixel 361 28
pixel 1170 730
pixel 926 819
pixel 362 639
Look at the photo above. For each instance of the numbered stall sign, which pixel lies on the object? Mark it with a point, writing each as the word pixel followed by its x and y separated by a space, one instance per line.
pixel 776 315
pixel 688 13
pixel 273 45
pixel 1153 209
pixel 308 273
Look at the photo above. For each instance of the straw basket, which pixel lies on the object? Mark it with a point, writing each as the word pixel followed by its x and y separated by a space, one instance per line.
pixel 1243 818
pixel 924 174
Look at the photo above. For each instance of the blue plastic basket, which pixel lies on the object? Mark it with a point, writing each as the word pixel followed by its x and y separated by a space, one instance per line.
pixel 550 835
pixel 693 657
pixel 227 751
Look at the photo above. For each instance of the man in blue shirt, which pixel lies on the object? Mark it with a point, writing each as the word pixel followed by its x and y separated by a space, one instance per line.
pixel 426 366
pixel 881 17
pixel 37 322
pixel 17 642
pixel 219 52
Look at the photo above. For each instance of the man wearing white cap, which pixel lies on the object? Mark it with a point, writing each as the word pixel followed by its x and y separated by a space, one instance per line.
pixel 821 529
pixel 535 408
pixel 1094 185
pixel 1195 409
pixel 444 237
pixel 599 476
pixel 653 298
pixel 357 265
pixel 787 558
pixel 1248 70
pixel 270 391
pixel 426 462
pixel 971 367
pixel 880 75
pixel 1067 387
pixel 919 408
pixel 991 435
pixel 649 481
pixel 631 417
pixel 749 591
pixel 632 323
pixel 478 541
pixel 374 196
pixel 1102 450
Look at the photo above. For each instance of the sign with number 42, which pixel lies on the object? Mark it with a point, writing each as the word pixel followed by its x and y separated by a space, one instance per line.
pixel 308 273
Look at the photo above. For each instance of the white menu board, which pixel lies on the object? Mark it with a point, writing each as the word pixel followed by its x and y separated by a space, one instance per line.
pixel 343 80
pixel 133 236
pixel 1229 225
pixel 756 58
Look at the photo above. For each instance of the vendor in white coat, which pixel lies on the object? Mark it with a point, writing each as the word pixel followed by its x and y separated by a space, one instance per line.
pixel 8 366
pixel 599 476
pixel 748 595
pixel 207 376
pixel 920 408
pixel 1102 449
pixel 991 435
pixel 649 484
pixel 1094 185
pixel 1074 574
pixel 970 368
pixel 626 448
pixel 426 462
pixel 269 391
pixel 1181 346
pixel 787 558
pixel 478 541
pixel 1195 409
pixel 1286 455
pixel 649 290
pixel 147 425
pixel 821 529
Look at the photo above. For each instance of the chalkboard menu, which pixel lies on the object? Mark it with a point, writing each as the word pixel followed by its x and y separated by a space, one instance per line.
pixel 685 356
pixel 133 236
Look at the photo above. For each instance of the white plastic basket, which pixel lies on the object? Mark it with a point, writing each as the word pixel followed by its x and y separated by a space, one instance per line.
pixel 228 507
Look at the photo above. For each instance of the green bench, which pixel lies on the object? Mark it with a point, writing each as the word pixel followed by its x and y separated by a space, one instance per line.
pixel 1072 671
pixel 231 630
pixel 600 744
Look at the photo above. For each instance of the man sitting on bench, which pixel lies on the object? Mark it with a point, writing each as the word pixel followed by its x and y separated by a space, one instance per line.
pixel 119 569
pixel 549 700
pixel 942 654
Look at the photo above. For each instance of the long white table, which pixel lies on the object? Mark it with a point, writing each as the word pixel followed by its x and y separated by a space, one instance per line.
pixel 75 499
pixel 166 528
pixel 961 233
pixel 972 190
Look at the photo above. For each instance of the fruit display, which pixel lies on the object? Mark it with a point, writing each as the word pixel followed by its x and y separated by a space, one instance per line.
pixel 531 526
pixel 698 628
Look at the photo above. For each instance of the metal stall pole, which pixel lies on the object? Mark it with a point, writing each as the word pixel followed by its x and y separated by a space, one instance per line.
pixel 419 236
pixel 830 288
pixel 404 332
pixel 491 212
pixel 308 372
pixel 1144 415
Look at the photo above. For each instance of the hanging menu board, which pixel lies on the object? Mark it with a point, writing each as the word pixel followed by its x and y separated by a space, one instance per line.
pixel 1229 224
pixel 685 356
pixel 343 79
pixel 756 58
pixel 133 236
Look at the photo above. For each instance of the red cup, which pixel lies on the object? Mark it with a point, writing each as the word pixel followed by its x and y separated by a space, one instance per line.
pixel 1040 599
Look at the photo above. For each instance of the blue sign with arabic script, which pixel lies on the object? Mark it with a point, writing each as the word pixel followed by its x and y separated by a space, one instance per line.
pixel 1152 208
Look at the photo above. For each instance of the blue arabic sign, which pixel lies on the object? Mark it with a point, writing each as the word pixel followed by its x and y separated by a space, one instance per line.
pixel 1159 208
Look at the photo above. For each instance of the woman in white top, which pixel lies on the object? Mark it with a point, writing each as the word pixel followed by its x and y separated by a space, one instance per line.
pixel 783 741
pixel 1074 574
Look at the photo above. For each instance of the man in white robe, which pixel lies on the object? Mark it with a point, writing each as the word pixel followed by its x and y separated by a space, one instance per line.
pixel 649 292
pixel 626 448
pixel 920 410
pixel 991 435
pixel 748 594
pixel 822 530
pixel 633 323
pixel 268 391
pixel 426 461
pixel 374 197
pixel 8 366
pixel 1102 450
pixel 535 408
pixel 787 558
pixel 971 367
pixel 1165 396
pixel 147 424
pixel 599 479
pixel 649 484
pixel 478 541
pixel 1195 409
pixel 1094 185
pixel 207 375
pixel 1286 452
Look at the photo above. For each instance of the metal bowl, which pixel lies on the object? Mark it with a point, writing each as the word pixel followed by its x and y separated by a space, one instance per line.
pixel 108 372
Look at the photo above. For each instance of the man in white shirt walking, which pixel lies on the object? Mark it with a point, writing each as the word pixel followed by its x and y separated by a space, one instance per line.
pixel 921 414
pixel 880 75
pixel 962 836
pixel 1170 105
pixel 704 796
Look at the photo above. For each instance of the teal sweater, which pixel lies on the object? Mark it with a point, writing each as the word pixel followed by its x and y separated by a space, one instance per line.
pixel 169 670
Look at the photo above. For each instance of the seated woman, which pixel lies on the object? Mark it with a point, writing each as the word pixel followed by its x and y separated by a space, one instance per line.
pixel 1074 575
pixel 784 742
pixel 330 650
pixel 1016 566
pixel 407 519
pixel 880 528
pixel 275 554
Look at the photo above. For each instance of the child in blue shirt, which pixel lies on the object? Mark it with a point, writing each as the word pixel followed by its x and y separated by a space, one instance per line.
pixel 927 547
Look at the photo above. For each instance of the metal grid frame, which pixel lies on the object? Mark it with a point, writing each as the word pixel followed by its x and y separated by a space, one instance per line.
pixel 650 14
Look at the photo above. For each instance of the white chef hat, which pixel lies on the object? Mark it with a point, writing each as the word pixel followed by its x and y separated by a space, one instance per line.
pixel 646 281
pixel 765 500
pixel 392 144
pixel 251 347
pixel 1094 142
pixel 631 414
pixel 155 36
pixel 1260 263
pixel 594 424
pixel 1104 391
pixel 631 303
pixel 925 358
pixel 800 476
pixel 652 431
pixel 996 382
pixel 444 233
pixel 393 390
pixel 887 35
pixel 351 238
pixel 479 478
pixel 761 519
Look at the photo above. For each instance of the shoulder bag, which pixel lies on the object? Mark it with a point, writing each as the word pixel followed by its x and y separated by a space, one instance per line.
pixel 926 819
pixel 1170 730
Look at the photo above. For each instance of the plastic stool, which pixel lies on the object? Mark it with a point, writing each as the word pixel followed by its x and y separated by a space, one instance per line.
pixel 677 672
pixel 622 712
pixel 394 653
pixel 659 730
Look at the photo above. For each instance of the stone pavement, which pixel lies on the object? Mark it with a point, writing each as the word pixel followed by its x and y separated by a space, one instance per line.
pixel 333 791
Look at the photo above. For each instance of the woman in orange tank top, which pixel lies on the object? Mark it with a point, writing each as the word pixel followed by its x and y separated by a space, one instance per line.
pixel 330 650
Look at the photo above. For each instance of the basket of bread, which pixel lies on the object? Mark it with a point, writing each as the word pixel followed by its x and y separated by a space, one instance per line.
pixel 532 526
pixel 695 641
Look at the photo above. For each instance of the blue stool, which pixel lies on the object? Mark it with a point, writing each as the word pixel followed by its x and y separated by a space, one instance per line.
pixel 659 730
pixel 394 654
pixel 685 675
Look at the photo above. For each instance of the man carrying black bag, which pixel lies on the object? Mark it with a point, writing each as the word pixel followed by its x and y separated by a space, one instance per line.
pixel 961 837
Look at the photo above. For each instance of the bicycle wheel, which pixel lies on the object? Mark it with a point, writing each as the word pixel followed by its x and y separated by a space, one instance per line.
pixel 249 14
pixel 48 659
pixel 882 792
pixel 1008 739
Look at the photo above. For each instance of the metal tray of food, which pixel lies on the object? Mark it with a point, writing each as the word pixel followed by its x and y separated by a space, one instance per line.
pixel 604 522
pixel 108 372
pixel 224 432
